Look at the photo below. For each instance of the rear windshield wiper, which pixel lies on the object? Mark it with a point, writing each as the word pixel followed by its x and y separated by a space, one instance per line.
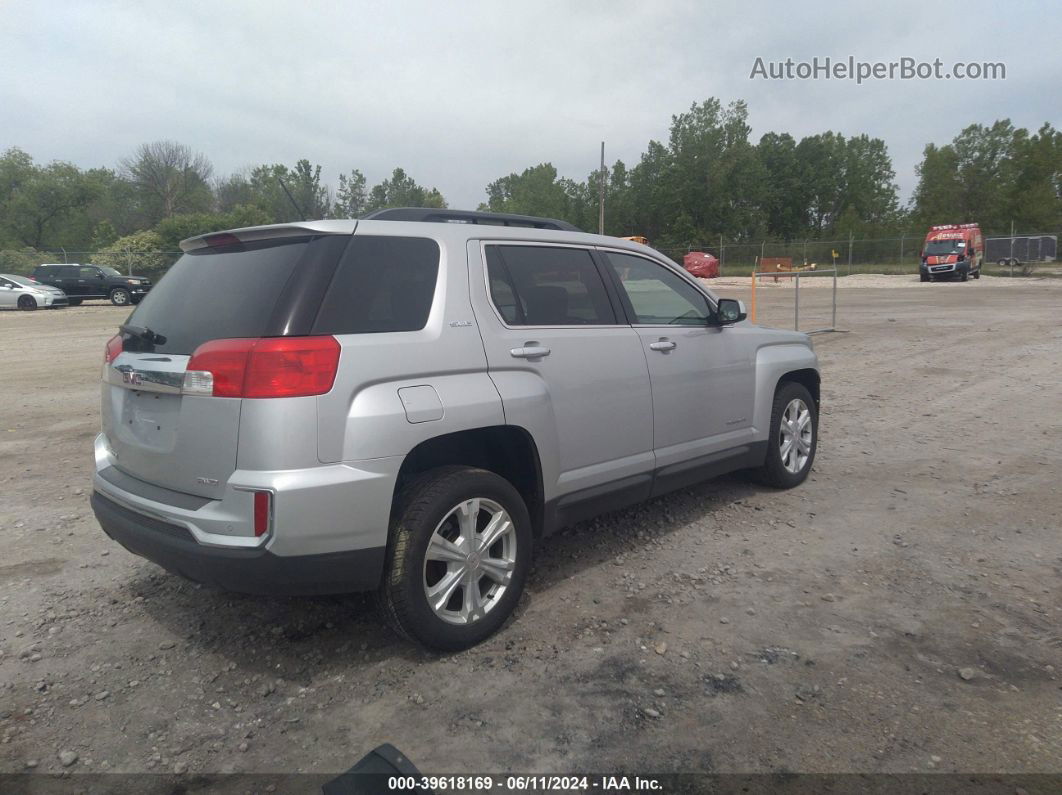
pixel 143 333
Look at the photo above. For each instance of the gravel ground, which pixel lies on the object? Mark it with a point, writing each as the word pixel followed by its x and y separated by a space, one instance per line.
pixel 899 612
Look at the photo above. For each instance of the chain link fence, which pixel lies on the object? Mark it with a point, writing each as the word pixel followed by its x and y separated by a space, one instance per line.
pixel 856 255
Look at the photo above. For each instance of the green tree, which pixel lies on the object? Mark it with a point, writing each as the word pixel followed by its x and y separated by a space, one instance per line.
pixel 140 252
pixel 352 196
pixel 938 195
pixel 401 190
pixel 534 191
pixel 38 204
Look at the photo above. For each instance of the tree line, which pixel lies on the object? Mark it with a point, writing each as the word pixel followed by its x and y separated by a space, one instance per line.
pixel 708 180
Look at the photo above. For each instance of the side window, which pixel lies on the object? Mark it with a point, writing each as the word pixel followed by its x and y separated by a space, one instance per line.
pixel 657 296
pixel 87 272
pixel 381 284
pixel 547 286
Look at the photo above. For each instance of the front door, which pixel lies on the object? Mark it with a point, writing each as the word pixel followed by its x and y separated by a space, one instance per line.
pixel 703 376
pixel 568 369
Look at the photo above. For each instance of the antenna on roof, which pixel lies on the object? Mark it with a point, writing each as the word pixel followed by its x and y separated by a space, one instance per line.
pixel 295 204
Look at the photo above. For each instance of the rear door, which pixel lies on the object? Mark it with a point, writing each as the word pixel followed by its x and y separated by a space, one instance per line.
pixel 702 376
pixel 567 367
pixel 189 442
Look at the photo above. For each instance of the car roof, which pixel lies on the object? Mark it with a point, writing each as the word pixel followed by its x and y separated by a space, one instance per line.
pixel 452 232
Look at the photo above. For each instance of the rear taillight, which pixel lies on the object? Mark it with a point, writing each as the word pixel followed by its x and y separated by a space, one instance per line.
pixel 271 367
pixel 262 501
pixel 114 347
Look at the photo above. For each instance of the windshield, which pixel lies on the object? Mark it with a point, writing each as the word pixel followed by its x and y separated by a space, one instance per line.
pixel 938 248
pixel 23 281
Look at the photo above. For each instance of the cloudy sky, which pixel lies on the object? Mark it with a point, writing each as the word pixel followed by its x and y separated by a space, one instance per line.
pixel 460 93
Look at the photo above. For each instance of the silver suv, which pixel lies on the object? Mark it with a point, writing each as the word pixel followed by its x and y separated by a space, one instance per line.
pixel 408 403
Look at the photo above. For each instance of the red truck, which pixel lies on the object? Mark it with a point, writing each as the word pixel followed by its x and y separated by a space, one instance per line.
pixel 952 250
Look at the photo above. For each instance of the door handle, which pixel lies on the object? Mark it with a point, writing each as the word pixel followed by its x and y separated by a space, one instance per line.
pixel 529 352
pixel 663 346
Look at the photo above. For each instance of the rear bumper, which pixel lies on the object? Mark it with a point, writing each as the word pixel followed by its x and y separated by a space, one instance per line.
pixel 245 570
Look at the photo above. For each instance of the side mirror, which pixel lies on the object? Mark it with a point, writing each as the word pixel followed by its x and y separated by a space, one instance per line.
pixel 728 311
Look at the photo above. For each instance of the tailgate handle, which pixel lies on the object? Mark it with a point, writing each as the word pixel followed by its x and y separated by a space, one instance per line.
pixel 529 352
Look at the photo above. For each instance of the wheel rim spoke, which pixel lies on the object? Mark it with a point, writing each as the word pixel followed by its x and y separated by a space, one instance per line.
pixel 440 593
pixel 444 550
pixel 501 571
pixel 498 526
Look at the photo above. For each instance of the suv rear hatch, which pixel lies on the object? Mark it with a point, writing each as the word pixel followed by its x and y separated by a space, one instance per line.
pixel 159 430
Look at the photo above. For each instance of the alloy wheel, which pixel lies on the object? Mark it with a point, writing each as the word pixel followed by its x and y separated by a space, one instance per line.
pixel 795 435
pixel 469 561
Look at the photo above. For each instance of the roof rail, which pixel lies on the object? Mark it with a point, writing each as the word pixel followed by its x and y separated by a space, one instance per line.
pixel 468 217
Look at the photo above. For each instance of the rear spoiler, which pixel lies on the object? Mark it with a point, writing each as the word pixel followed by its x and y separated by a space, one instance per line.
pixel 250 234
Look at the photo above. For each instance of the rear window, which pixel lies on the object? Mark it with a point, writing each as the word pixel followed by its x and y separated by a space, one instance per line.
pixel 219 293
pixel 382 284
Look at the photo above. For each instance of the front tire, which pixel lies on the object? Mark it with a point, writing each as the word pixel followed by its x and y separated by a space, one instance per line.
pixel 793 439
pixel 458 558
pixel 923 278
pixel 120 296
pixel 27 303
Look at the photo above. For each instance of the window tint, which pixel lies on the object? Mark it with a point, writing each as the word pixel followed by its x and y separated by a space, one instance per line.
pixel 219 293
pixel 87 272
pixel 547 286
pixel 382 284
pixel 658 296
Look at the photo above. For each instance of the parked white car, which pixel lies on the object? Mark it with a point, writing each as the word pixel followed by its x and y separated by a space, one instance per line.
pixel 22 292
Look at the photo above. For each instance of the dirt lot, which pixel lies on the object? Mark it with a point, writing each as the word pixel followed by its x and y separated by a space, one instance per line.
pixel 899 612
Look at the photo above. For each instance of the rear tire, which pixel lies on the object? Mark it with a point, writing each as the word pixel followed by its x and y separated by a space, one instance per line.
pixel 451 509
pixel 75 302
pixel 27 303
pixel 120 296
pixel 977 273
pixel 785 467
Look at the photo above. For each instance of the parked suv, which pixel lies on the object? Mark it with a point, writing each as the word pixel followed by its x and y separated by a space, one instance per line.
pixel 407 405
pixel 84 282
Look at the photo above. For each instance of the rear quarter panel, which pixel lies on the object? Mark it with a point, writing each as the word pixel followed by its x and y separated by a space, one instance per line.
pixel 363 416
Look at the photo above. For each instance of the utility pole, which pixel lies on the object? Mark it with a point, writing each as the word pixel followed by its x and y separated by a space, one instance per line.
pixel 601 194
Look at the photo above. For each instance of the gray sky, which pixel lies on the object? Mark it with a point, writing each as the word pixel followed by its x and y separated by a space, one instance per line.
pixel 461 93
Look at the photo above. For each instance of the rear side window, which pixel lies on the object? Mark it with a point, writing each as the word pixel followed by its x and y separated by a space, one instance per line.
pixel 220 293
pixel 547 286
pixel 382 284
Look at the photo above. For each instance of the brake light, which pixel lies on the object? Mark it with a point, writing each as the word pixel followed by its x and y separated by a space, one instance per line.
pixel 261 512
pixel 222 239
pixel 271 367
pixel 114 347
